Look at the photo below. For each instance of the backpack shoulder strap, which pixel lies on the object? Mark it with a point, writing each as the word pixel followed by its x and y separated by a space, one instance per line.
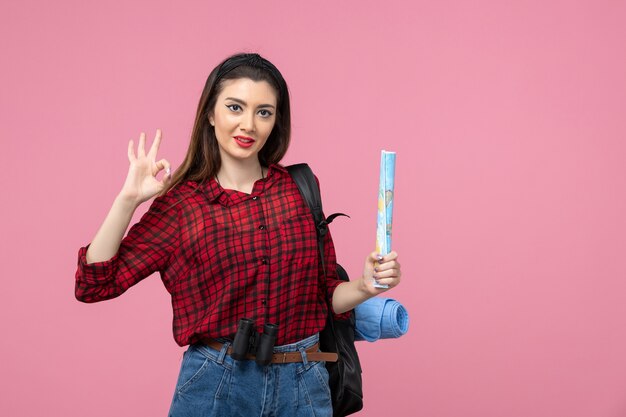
pixel 305 180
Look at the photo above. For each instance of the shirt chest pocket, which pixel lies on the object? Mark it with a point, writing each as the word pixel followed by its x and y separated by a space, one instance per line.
pixel 298 240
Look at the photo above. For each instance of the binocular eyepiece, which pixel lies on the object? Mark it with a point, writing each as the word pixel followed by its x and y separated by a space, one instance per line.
pixel 247 340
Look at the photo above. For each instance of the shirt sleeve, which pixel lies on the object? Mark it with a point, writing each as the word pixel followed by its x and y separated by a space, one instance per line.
pixel 146 248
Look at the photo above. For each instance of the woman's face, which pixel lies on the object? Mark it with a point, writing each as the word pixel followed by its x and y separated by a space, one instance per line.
pixel 244 116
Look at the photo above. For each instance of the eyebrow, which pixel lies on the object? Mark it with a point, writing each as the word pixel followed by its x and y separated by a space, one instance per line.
pixel 245 104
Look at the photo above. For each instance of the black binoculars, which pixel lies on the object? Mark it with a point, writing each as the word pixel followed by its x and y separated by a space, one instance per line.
pixel 248 340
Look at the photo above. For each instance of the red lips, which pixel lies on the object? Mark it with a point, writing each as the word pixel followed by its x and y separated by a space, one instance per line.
pixel 244 141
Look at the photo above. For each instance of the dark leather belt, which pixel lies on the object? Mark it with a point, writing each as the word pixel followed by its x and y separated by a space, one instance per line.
pixel 284 357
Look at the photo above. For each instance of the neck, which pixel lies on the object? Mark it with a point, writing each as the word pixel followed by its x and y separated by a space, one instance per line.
pixel 240 175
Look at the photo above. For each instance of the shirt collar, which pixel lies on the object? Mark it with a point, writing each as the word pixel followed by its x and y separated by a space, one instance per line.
pixel 216 193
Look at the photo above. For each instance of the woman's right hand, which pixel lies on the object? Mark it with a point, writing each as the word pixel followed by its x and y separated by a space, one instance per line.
pixel 141 183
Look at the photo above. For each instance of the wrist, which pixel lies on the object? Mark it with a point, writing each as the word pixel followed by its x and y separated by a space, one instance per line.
pixel 127 202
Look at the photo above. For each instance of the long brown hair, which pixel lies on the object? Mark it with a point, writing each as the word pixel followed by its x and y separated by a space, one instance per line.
pixel 203 161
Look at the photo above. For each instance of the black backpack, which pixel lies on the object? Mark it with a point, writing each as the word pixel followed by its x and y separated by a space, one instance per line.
pixel 338 336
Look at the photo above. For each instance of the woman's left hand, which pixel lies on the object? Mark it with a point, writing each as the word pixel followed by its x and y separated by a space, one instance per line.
pixel 384 270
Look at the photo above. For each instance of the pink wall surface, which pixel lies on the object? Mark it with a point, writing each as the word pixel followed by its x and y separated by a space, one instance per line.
pixel 509 123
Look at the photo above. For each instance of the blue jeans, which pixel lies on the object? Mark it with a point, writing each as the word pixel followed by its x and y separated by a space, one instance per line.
pixel 211 383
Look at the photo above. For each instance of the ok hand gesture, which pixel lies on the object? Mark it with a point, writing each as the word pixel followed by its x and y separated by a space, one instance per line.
pixel 141 183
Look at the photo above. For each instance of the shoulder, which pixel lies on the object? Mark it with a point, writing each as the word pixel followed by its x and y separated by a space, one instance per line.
pixel 174 197
pixel 278 169
pixel 285 169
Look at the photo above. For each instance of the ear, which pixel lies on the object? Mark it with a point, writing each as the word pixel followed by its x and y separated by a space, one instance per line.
pixel 211 121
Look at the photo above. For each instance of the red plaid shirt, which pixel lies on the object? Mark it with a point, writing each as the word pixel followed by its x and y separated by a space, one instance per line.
pixel 223 255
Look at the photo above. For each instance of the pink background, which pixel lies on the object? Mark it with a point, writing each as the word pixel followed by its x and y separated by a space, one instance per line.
pixel 509 124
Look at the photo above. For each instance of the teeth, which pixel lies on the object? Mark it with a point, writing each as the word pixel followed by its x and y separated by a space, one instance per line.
pixel 244 140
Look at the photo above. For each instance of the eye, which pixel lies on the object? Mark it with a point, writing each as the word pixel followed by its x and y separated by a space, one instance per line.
pixel 267 113
pixel 233 105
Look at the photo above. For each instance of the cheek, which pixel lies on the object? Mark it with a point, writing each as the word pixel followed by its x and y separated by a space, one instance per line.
pixel 270 128
pixel 226 122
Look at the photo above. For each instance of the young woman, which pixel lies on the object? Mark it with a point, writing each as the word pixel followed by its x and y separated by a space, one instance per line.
pixel 232 238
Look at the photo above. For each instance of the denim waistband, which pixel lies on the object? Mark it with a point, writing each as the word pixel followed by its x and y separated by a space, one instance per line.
pixel 301 344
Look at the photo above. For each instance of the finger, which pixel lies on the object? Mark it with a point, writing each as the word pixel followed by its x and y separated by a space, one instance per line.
pixel 390 273
pixel 373 257
pixel 131 151
pixel 389 257
pixel 161 164
pixel 387 265
pixel 141 151
pixel 168 169
pixel 155 144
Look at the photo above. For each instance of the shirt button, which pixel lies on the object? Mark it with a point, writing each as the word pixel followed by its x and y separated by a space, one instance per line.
pixel 263 301
pixel 264 261
pixel 255 197
pixel 261 227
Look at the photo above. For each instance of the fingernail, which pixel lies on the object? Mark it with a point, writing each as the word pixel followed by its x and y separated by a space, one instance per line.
pixel 379 257
pixel 376 269
pixel 375 276
pixel 168 172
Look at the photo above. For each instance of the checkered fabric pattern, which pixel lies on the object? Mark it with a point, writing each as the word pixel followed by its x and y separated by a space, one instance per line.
pixel 223 255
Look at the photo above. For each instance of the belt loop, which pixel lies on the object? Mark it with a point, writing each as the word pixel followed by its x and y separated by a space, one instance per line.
pixel 302 350
pixel 223 351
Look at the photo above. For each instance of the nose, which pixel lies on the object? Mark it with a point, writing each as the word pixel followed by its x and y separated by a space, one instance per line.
pixel 247 122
